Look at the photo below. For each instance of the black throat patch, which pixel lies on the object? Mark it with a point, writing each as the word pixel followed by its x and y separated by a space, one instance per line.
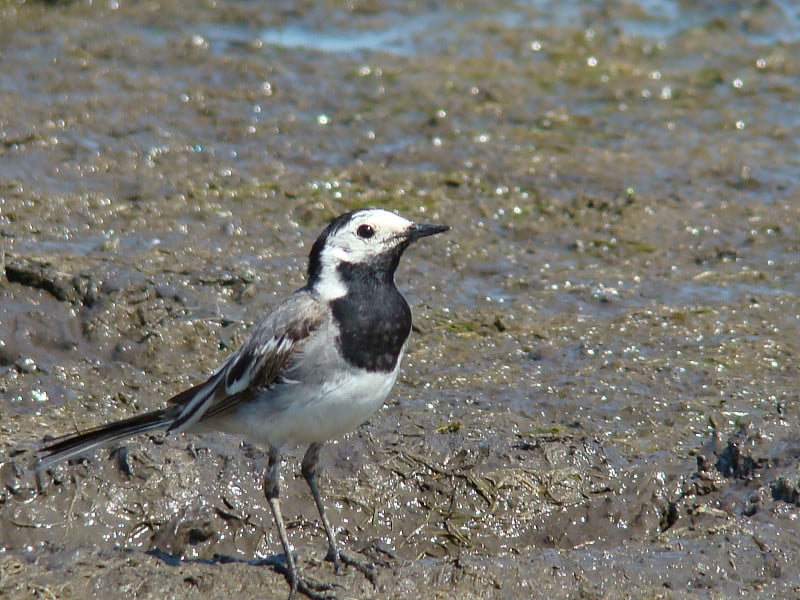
pixel 373 317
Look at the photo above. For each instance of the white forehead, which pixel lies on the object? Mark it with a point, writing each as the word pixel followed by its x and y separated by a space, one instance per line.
pixel 380 219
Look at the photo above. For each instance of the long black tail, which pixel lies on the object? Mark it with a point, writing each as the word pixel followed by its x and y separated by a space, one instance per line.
pixel 72 446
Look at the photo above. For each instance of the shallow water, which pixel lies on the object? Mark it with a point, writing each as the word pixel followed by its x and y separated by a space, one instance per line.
pixel 600 396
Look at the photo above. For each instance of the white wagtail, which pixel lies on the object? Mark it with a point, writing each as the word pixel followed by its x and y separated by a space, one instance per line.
pixel 315 368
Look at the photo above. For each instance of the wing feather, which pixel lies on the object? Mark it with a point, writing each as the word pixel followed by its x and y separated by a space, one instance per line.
pixel 257 364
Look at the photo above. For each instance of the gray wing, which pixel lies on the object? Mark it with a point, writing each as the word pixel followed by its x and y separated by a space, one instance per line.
pixel 256 365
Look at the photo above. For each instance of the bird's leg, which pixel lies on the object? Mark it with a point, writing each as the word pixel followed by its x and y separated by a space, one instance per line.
pixel 272 490
pixel 310 470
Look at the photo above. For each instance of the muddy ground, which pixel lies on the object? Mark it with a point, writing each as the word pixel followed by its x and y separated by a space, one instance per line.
pixel 600 398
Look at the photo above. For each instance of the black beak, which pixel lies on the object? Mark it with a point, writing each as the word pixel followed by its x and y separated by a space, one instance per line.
pixel 420 231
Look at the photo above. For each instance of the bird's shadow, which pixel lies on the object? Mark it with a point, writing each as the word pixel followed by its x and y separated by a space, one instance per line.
pixel 276 561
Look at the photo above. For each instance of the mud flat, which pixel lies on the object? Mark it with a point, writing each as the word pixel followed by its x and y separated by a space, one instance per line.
pixel 600 396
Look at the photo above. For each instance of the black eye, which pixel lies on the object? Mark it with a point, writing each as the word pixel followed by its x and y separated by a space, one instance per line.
pixel 365 231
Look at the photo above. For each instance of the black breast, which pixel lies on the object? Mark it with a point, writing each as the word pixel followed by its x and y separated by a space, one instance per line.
pixel 373 318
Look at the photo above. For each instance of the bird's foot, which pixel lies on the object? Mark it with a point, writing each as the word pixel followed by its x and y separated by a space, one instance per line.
pixel 367 568
pixel 306 586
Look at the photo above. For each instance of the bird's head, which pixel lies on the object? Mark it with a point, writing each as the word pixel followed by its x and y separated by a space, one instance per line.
pixel 372 240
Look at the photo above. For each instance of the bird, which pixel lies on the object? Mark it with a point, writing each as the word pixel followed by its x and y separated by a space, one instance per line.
pixel 316 367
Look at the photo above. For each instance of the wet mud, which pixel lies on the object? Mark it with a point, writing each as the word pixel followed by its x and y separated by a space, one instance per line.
pixel 600 395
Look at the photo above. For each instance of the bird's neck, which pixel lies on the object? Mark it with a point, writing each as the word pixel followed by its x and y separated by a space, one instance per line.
pixel 362 280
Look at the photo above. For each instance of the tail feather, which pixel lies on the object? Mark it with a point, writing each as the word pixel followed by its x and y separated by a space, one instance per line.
pixel 72 446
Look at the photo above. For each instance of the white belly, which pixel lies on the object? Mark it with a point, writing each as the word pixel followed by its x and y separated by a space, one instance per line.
pixel 304 413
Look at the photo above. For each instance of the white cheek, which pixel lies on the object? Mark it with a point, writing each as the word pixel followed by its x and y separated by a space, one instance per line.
pixel 330 285
pixel 338 255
